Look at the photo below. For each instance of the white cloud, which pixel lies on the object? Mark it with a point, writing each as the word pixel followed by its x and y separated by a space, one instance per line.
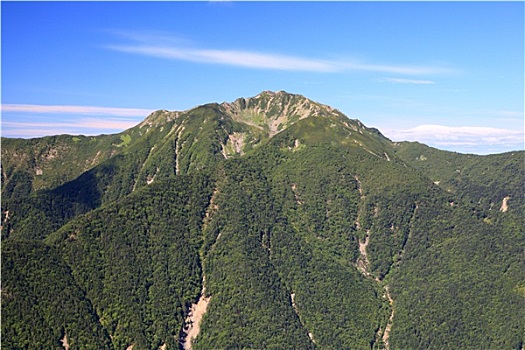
pixel 26 133
pixel 86 120
pixel 81 126
pixel 83 123
pixel 505 113
pixel 84 110
pixel 406 81
pixel 459 136
pixel 231 57
pixel 160 45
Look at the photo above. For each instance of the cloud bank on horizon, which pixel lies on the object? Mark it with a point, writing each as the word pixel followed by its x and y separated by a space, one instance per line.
pixel 472 137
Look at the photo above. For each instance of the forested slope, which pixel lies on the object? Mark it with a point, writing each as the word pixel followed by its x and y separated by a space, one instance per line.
pixel 138 260
pixel 294 226
pixel 42 305
pixel 489 181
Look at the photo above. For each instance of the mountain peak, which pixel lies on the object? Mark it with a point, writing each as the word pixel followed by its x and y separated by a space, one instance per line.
pixel 273 93
pixel 281 94
pixel 274 111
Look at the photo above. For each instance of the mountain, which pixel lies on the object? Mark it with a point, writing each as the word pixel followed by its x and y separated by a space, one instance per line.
pixel 492 181
pixel 272 222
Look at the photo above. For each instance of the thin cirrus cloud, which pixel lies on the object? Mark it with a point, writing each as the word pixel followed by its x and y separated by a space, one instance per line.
pixel 459 136
pixel 87 120
pixel 89 110
pixel 163 46
pixel 406 81
pixel 80 126
pixel 245 59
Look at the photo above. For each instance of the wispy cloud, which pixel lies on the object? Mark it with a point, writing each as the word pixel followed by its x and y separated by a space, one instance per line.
pixel 84 110
pixel 231 57
pixel 25 120
pixel 80 126
pixel 162 46
pixel 459 136
pixel 505 113
pixel 406 81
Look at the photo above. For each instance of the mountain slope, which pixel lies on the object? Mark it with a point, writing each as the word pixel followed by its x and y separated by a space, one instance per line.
pixel 490 180
pixel 165 144
pixel 31 165
pixel 294 226
pixel 42 305
pixel 138 260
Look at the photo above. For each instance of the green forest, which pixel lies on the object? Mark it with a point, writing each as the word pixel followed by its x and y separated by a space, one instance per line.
pixel 300 227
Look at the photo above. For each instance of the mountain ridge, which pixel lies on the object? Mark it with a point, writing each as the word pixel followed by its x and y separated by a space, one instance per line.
pixel 263 116
pixel 299 227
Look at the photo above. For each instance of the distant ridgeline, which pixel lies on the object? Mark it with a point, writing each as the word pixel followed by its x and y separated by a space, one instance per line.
pixel 273 222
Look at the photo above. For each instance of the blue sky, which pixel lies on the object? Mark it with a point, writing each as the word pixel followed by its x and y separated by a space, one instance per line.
pixel 448 74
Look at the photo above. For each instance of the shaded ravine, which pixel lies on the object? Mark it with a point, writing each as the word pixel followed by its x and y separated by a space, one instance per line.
pixel 388 327
pixel 363 265
pixel 294 305
pixel 65 342
pixel 192 324
pixel 193 321
pixel 386 334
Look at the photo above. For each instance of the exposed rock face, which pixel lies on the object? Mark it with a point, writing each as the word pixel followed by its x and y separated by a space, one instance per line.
pixel 275 111
pixel 504 204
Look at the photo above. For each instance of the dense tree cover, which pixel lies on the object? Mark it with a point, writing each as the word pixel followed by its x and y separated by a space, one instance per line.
pixel 138 260
pixel 458 285
pixel 29 165
pixel 250 306
pixel 265 245
pixel 39 214
pixel 484 180
pixel 41 302
pixel 271 226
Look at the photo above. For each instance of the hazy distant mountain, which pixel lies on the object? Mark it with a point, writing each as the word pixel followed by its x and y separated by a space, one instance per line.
pixel 276 219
